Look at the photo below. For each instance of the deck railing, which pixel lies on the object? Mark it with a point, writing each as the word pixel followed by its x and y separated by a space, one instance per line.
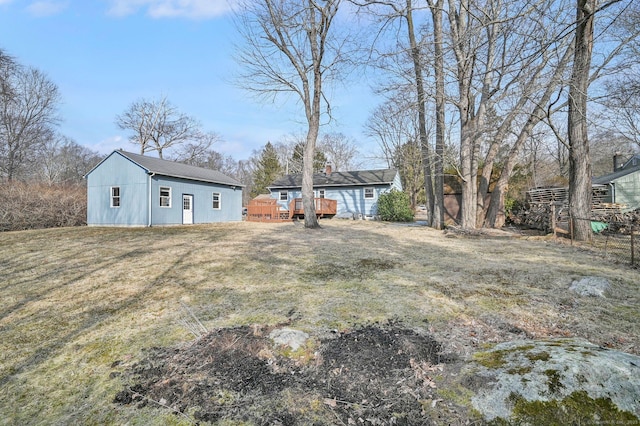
pixel 266 210
pixel 324 207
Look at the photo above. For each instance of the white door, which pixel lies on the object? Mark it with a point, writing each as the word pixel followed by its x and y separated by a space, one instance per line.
pixel 187 209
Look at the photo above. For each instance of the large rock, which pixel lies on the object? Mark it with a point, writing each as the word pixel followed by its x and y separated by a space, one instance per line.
pixel 289 337
pixel 562 381
pixel 590 286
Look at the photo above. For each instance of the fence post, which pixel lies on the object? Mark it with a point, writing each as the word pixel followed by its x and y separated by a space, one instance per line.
pixel 553 219
pixel 571 226
pixel 632 245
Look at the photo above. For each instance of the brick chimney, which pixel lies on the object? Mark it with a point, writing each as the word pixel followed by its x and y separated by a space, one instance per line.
pixel 617 162
pixel 327 170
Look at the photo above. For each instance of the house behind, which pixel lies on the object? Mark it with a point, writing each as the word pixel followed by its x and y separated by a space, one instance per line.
pixel 356 192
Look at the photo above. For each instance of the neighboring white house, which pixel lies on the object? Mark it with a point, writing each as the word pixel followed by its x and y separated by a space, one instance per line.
pixel 128 189
pixel 356 192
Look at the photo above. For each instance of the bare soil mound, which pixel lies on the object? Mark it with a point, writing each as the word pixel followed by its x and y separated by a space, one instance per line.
pixel 374 374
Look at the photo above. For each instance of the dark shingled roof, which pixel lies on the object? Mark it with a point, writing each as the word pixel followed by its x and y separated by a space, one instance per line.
pixel 606 179
pixel 357 178
pixel 179 170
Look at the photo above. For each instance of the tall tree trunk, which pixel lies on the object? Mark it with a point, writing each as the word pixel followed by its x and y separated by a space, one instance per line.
pixel 308 200
pixel 437 221
pixel 422 100
pixel 458 19
pixel 495 216
pixel 313 112
pixel 579 159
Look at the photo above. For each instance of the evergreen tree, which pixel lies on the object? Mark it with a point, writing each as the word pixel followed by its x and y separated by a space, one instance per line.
pixel 295 162
pixel 268 169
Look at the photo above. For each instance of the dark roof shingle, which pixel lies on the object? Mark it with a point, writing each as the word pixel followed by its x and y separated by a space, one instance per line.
pixel 179 170
pixel 356 178
pixel 607 179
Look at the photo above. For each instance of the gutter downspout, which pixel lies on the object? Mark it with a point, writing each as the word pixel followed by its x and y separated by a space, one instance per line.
pixel 151 175
pixel 613 191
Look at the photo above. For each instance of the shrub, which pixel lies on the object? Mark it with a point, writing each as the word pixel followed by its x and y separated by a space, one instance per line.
pixel 34 205
pixel 394 206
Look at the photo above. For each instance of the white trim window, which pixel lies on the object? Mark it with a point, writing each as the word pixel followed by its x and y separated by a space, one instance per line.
pixel 165 196
pixel 321 193
pixel 216 199
pixel 369 193
pixel 284 196
pixel 115 197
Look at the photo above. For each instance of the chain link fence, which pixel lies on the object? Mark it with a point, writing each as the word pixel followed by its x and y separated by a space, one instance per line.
pixel 617 241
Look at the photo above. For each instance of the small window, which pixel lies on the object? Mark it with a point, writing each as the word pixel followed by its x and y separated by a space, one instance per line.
pixel 165 196
pixel 115 196
pixel 368 193
pixel 217 200
pixel 284 195
pixel 321 193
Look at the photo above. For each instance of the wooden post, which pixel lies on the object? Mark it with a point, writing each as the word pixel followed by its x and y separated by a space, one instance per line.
pixel 632 245
pixel 571 226
pixel 553 219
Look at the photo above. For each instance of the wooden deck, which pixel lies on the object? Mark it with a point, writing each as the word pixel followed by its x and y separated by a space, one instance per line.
pixel 325 207
pixel 268 209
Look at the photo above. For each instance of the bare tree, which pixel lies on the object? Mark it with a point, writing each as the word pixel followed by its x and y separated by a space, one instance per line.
pixel 396 129
pixel 392 124
pixel 579 159
pixel 290 48
pixel 388 11
pixel 436 7
pixel 340 151
pixel 65 161
pixel 196 151
pixel 28 114
pixel 157 125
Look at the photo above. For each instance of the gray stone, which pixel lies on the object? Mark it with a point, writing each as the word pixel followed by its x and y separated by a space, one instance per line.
pixel 553 370
pixel 289 337
pixel 590 286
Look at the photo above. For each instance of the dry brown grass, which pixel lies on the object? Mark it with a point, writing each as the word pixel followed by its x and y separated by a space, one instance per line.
pixel 76 300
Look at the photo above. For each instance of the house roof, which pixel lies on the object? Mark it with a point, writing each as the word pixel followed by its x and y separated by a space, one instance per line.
pixel 356 178
pixel 606 179
pixel 177 170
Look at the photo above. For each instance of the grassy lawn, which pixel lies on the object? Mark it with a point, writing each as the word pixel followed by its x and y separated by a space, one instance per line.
pixel 77 300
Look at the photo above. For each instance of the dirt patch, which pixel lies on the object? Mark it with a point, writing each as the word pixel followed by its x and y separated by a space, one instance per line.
pixel 375 374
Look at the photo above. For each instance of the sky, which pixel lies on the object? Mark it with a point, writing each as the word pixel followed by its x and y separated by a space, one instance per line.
pixel 105 54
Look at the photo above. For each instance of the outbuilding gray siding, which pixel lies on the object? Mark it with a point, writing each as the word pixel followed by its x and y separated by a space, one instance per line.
pixel 139 180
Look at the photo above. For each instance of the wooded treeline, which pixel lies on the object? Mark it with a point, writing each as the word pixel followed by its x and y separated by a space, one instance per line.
pixel 498 81
pixel 481 91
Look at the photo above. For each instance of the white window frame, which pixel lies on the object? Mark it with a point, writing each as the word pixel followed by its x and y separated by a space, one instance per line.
pixel 163 197
pixel 113 197
pixel 218 200
pixel 322 193
pixel 286 196
pixel 373 193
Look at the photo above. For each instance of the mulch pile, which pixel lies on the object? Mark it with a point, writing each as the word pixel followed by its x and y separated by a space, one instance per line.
pixel 374 374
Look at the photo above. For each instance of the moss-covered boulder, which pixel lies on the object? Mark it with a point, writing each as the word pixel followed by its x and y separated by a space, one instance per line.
pixel 560 381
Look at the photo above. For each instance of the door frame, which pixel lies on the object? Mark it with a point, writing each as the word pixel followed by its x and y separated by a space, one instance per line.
pixel 190 197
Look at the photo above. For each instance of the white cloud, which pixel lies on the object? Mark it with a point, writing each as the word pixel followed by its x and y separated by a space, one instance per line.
pixel 192 9
pixel 46 7
pixel 106 146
